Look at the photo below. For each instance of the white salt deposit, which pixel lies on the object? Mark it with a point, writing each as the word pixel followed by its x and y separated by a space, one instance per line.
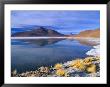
pixel 95 51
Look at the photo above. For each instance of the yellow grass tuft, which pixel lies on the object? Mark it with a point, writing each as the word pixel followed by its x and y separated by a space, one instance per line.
pixel 91 68
pixel 88 60
pixel 78 64
pixel 60 72
pixel 58 66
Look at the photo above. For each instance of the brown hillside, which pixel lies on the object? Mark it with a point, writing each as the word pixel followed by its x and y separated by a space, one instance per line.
pixel 89 33
pixel 38 32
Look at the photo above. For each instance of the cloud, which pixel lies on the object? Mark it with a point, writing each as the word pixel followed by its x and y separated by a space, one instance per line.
pixel 63 19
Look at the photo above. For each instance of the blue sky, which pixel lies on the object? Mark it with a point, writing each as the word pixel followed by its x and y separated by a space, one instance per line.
pixel 62 20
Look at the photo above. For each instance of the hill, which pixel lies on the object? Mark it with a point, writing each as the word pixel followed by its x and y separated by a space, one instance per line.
pixel 89 33
pixel 41 31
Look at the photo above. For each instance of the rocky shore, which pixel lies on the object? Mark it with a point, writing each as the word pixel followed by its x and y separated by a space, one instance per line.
pixel 87 67
pixel 75 68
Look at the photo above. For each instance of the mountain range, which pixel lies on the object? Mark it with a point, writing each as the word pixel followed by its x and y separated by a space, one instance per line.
pixel 41 31
pixel 46 32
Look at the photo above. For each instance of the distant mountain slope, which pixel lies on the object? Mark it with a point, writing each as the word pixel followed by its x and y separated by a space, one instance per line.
pixel 89 33
pixel 41 31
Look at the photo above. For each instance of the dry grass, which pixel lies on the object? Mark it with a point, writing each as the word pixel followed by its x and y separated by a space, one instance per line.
pixel 88 60
pixel 60 72
pixel 58 66
pixel 78 64
pixel 85 64
pixel 91 68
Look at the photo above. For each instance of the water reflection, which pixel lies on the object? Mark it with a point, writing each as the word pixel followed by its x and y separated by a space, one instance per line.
pixel 45 52
pixel 39 42
pixel 88 43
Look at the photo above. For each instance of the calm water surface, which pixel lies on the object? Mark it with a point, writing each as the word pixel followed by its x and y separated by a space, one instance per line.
pixel 28 55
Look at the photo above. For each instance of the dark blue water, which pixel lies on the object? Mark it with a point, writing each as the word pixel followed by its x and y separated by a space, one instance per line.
pixel 28 55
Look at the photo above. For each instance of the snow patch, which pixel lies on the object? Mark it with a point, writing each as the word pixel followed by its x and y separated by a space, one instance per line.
pixel 95 51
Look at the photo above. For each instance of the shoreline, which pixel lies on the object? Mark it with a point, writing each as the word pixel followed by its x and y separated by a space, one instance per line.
pixel 64 37
pixel 87 67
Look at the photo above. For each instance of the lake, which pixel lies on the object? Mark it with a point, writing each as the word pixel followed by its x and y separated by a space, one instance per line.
pixel 29 54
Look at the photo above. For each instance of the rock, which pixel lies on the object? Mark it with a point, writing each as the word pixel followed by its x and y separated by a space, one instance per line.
pixel 97 74
pixel 91 68
pixel 76 75
pixel 87 67
pixel 14 73
pixel 33 75
pixel 44 69
pixel 97 58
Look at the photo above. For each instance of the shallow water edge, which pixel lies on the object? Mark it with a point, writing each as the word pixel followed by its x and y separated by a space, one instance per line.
pixel 70 71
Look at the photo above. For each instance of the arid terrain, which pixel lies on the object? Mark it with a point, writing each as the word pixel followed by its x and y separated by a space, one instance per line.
pixel 89 33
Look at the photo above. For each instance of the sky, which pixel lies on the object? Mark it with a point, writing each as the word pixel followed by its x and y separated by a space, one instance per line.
pixel 64 21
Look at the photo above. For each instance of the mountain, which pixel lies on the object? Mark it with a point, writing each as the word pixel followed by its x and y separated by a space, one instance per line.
pixel 41 31
pixel 89 33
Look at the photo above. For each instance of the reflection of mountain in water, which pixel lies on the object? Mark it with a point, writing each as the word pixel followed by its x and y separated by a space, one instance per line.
pixel 88 43
pixel 28 55
pixel 42 42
